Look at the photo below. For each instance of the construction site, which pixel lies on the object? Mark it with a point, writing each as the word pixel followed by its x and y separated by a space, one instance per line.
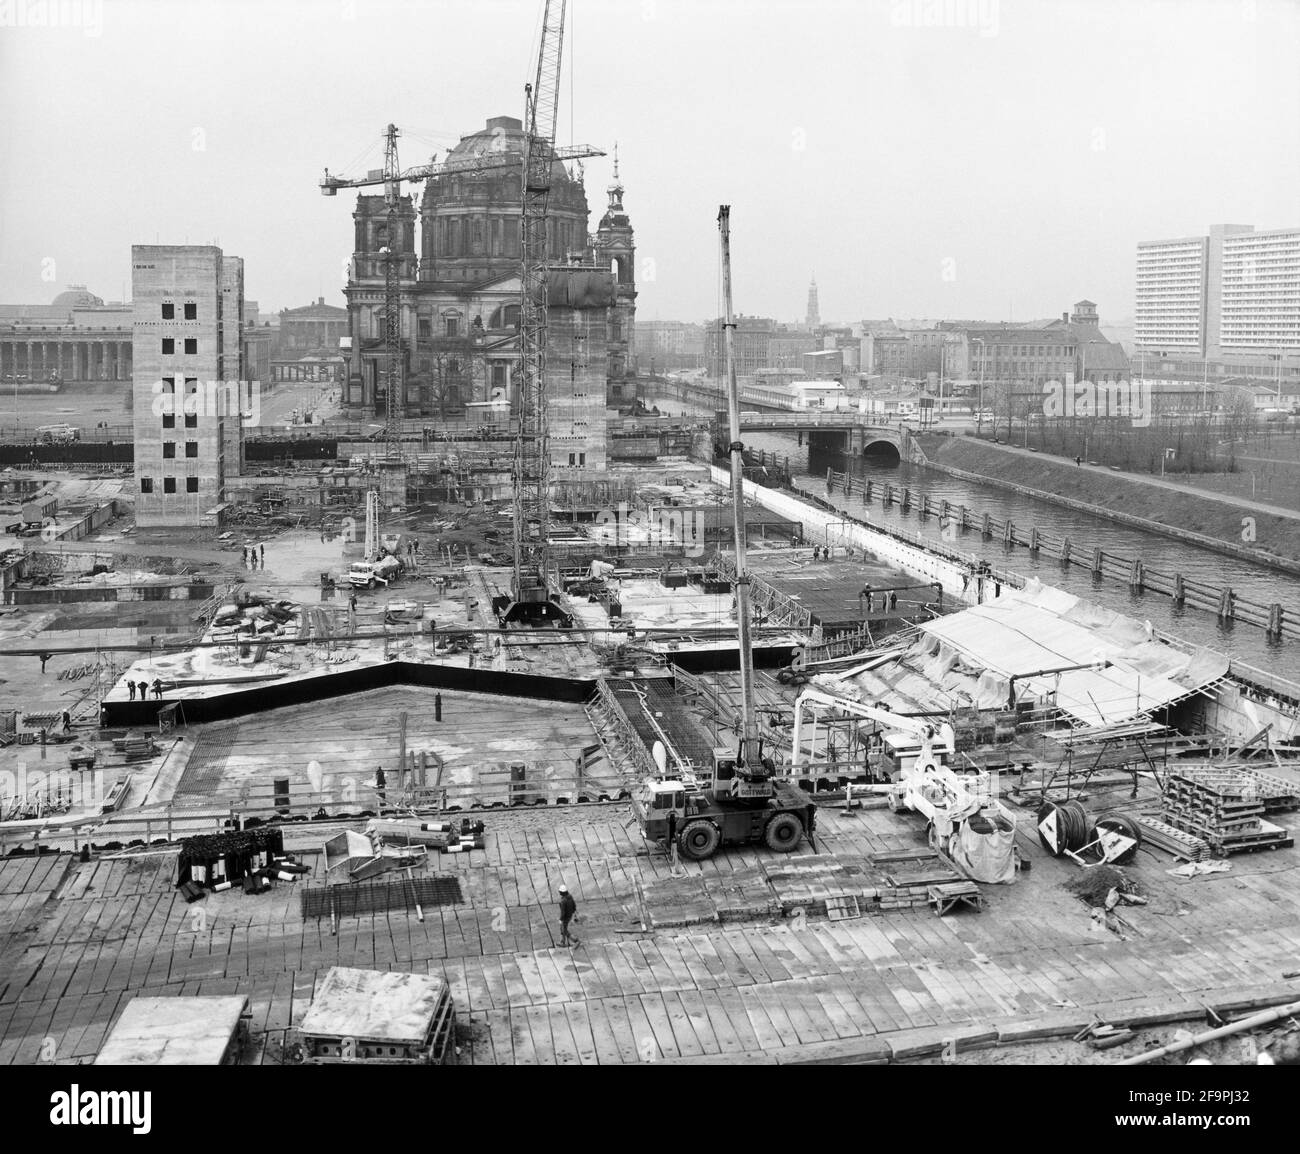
pixel 563 735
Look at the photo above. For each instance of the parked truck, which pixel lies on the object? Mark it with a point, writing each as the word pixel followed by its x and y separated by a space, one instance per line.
pixel 368 574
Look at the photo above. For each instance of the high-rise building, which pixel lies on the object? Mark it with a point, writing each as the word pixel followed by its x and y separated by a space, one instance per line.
pixel 1260 297
pixel 187 303
pixel 1234 292
pixel 813 319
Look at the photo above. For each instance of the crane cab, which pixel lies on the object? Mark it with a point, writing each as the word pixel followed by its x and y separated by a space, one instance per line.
pixel 730 780
pixel 902 750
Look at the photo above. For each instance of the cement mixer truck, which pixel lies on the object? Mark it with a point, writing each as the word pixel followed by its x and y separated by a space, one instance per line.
pixel 368 574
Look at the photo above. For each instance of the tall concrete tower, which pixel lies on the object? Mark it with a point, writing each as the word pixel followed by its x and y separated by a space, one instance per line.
pixel 187 306
pixel 814 318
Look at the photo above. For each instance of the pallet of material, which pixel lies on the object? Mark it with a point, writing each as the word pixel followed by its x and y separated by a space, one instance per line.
pixel 1277 794
pixel 1172 840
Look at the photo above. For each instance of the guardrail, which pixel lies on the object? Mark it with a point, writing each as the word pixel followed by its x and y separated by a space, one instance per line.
pixel 1277 620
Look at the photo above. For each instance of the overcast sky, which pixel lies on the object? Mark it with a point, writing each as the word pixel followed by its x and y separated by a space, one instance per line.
pixel 935 158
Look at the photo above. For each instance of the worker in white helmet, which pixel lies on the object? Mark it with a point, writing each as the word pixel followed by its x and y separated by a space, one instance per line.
pixel 568 910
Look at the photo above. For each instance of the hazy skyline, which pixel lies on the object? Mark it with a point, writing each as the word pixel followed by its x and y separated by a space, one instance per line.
pixel 1004 161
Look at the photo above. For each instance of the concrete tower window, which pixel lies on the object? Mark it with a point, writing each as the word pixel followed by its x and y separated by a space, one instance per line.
pixel 191 345
pixel 168 346
pixel 169 484
pixel 169 449
pixel 169 420
pixel 191 484
pixel 146 484
pixel 168 311
pixel 191 420
pixel 191 311
pixel 191 448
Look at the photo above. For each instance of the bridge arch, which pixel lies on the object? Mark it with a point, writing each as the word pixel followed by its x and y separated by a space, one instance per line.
pixel 882 451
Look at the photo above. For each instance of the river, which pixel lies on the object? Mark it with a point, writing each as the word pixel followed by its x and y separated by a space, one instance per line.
pixel 1247 643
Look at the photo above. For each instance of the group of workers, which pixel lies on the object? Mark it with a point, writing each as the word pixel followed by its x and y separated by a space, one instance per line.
pixel 143 687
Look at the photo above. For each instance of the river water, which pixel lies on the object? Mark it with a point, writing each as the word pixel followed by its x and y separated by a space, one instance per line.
pixel 1247 643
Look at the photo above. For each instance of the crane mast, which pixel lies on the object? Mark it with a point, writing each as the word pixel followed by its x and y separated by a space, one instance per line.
pixel 750 749
pixel 532 451
pixel 394 382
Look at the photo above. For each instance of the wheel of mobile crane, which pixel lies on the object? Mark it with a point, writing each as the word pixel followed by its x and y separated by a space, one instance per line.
pixel 784 833
pixel 698 840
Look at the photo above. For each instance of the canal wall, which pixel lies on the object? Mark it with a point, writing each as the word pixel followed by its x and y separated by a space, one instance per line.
pixel 1093 491
pixel 924 560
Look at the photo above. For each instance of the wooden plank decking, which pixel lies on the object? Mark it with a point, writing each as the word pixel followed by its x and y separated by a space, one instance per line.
pixel 77 939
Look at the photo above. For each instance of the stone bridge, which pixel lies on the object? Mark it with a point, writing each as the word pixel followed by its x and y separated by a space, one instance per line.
pixel 859 434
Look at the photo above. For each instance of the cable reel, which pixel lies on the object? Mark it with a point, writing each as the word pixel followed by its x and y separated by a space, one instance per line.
pixel 1062 827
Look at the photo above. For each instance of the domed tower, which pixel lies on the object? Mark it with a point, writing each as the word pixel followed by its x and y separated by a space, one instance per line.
pixel 365 296
pixel 470 221
pixel 467 310
pixel 616 249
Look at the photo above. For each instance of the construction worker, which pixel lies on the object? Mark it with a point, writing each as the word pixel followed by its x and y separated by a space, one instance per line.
pixel 44 658
pixel 131 687
pixel 380 783
pixel 143 686
pixel 157 689
pixel 568 911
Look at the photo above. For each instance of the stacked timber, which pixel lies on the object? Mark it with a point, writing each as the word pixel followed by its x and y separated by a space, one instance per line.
pixel 1164 836
pixel 1224 808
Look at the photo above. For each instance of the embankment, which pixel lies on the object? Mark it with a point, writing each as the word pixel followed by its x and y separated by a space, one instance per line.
pixel 1185 516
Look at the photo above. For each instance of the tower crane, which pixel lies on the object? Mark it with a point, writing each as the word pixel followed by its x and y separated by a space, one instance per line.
pixel 531 466
pixel 532 452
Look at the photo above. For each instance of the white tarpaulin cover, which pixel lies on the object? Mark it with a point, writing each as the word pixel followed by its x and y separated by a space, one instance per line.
pixel 986 855
pixel 1042 628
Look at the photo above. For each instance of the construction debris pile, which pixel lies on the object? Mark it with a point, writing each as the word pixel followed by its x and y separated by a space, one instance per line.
pixel 1224 809
pixel 1094 885
pixel 252 617
pixel 444 836
pixel 217 861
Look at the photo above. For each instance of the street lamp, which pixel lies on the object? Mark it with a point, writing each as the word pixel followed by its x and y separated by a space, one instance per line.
pixel 979 416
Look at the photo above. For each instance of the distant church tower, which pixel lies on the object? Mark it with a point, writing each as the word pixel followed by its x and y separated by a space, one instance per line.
pixel 616 249
pixel 814 319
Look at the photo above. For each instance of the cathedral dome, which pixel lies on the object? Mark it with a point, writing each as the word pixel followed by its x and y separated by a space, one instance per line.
pixel 76 297
pixel 503 134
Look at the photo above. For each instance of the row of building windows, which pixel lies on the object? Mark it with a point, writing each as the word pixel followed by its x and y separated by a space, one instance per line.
pixel 169 311
pixel 191 420
pixel 169 345
pixel 169 484
pixel 191 449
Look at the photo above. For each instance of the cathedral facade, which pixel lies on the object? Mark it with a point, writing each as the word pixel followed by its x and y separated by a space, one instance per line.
pixel 459 273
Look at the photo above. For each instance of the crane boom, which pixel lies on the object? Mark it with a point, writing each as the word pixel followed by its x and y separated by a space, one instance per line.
pixel 330 183
pixel 749 752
